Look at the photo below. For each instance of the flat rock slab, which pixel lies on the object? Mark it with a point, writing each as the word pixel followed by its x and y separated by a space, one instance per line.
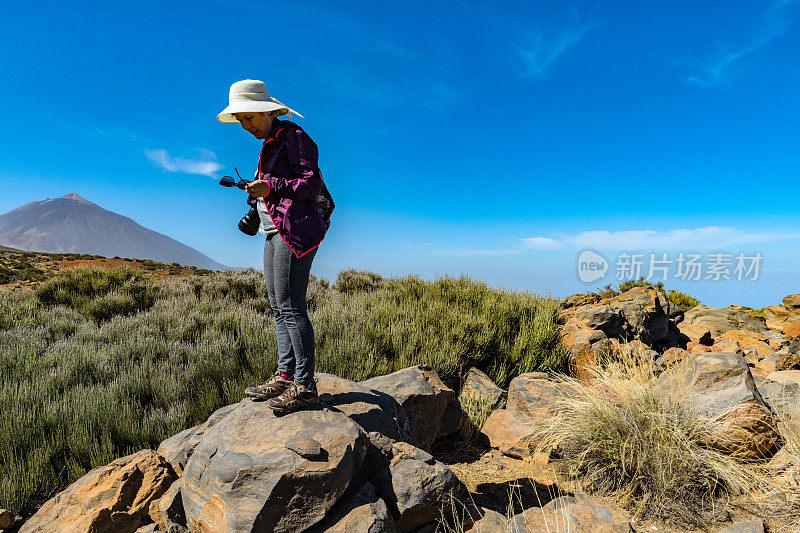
pixel 242 477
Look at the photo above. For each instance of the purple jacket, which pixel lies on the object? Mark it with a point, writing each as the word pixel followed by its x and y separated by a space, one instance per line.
pixel 288 163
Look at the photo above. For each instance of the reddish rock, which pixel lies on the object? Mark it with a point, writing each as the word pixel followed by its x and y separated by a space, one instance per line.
pixel 114 498
pixel 697 333
pixel 509 432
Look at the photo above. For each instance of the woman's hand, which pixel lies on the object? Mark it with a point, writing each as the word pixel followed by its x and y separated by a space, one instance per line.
pixel 257 188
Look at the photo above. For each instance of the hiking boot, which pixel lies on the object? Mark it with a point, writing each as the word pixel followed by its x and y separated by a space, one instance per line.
pixel 295 397
pixel 271 388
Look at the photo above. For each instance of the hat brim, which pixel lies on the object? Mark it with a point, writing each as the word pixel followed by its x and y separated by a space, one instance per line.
pixel 226 116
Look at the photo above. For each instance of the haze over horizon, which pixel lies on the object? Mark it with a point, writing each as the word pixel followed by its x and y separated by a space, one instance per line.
pixel 499 143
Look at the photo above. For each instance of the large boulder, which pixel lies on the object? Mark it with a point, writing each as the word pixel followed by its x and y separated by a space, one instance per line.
pixel 792 302
pixel 178 448
pixel 373 410
pixel 417 487
pixel 114 498
pixel 720 387
pixel 578 513
pixel 532 398
pixel 424 397
pixel 362 512
pixel 718 321
pixel 255 471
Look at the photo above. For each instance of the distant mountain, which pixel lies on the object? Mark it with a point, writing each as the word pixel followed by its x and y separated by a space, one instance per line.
pixel 74 224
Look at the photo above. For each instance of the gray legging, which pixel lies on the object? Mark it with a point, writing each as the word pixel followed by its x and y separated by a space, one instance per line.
pixel 286 277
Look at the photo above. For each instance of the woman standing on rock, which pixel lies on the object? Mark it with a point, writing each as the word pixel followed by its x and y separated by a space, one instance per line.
pixel 294 207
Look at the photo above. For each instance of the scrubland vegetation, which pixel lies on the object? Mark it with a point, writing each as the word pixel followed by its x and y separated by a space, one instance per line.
pixel 99 363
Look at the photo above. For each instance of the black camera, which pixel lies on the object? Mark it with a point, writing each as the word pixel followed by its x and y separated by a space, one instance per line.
pixel 251 221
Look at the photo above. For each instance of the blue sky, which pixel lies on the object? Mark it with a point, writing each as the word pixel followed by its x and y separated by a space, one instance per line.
pixel 455 137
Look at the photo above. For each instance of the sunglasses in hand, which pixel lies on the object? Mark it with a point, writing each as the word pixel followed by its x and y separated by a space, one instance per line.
pixel 228 181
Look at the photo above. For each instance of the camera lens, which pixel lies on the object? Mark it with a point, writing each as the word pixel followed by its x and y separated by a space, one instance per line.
pixel 250 222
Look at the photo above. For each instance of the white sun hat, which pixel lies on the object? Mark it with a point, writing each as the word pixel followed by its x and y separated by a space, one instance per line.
pixel 251 96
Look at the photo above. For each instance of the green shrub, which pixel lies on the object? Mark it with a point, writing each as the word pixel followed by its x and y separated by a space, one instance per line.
pixel 99 293
pixel 351 281
pixel 684 301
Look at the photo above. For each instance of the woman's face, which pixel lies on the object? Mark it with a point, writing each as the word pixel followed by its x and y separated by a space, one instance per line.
pixel 257 124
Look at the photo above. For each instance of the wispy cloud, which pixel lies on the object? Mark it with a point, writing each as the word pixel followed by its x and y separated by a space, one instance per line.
pixel 203 167
pixel 708 237
pixel 540 53
pixel 721 68
pixel 475 252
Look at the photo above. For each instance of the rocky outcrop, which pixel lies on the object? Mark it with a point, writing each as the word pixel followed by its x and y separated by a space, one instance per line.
pixel 792 302
pixel 243 477
pixel 640 313
pixel 718 321
pixel 424 397
pixel 114 498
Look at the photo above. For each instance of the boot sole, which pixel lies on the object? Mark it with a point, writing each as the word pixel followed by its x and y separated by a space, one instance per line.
pixel 285 410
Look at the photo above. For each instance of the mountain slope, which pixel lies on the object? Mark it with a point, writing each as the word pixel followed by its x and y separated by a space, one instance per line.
pixel 74 224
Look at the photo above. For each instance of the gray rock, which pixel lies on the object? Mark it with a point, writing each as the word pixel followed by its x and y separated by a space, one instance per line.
pixel 416 487
pixel 305 447
pixel 170 508
pixel 579 513
pixel 362 512
pixel 534 396
pixel 373 410
pixel 783 398
pixel 718 381
pixel 721 388
pixel 640 313
pixel 242 478
pixel 178 448
pixel 748 526
pixel 479 386
pixel 423 396
pixel 490 522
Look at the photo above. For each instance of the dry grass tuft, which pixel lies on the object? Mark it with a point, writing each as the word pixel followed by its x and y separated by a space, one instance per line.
pixel 643 445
